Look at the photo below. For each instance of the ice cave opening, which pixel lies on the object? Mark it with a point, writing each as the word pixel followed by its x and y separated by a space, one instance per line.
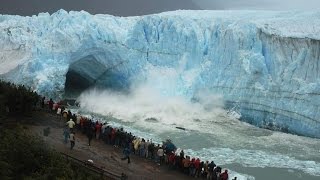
pixel 89 72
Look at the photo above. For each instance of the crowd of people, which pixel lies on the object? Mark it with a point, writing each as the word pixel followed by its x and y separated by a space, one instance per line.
pixel 164 154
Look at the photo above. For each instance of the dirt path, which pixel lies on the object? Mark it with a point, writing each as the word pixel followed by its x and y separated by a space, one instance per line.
pixel 103 155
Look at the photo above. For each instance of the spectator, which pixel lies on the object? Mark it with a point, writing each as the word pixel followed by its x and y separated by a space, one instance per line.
pixel 160 155
pixel 224 175
pixel 72 140
pixel 70 124
pixel 90 132
pixel 66 134
pixel 50 104
pixel 126 153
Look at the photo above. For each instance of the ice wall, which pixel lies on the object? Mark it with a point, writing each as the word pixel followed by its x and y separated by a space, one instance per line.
pixel 265 64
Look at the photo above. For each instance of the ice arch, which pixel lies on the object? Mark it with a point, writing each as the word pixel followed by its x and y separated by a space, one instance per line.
pixel 90 71
pixel 83 73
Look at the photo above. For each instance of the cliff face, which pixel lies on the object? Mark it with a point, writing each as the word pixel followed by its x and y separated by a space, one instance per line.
pixel 266 64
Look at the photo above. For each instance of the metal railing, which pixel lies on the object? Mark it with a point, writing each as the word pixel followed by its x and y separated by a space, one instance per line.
pixel 99 171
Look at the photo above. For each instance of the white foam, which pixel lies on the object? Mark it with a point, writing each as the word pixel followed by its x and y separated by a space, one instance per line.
pixel 145 102
pixel 255 158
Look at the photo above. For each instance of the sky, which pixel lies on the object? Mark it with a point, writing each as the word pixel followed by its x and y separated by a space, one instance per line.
pixel 141 7
pixel 114 7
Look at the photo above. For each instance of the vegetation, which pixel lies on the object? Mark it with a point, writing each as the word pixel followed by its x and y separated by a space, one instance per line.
pixel 23 156
pixel 16 100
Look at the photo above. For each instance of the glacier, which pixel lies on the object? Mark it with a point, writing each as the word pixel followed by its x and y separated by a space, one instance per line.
pixel 265 64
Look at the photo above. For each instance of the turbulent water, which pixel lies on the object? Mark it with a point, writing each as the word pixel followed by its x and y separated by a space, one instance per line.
pixel 211 132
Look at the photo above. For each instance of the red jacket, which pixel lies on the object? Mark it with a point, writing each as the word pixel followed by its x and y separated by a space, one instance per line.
pixel 171 158
pixel 224 176
pixel 98 127
pixel 197 164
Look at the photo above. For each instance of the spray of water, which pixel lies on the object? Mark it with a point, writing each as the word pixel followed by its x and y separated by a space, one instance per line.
pixel 146 103
pixel 167 95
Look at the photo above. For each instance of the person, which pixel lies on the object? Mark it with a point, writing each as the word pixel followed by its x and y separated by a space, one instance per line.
pixel 66 134
pixel 206 169
pixel 197 167
pixel 50 104
pixel 78 117
pixel 69 115
pixel 64 113
pixel 224 175
pixel 171 160
pixel 90 132
pixel 235 178
pixel 98 129
pixel 136 143
pixel 142 148
pixel 202 172
pixel 160 154
pixel 59 112
pixel 211 166
pixel 186 164
pixel 126 152
pixel 216 174
pixel 42 102
pixel 72 139
pixel 146 150
pixel 182 154
pixel 151 150
pixel 103 127
pixel 70 124
pixel 192 169
pixel 55 106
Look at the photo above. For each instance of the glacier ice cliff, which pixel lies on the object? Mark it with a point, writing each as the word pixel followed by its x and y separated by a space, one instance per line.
pixel 265 64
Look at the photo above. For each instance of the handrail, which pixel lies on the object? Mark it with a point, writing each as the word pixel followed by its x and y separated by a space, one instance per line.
pixel 95 169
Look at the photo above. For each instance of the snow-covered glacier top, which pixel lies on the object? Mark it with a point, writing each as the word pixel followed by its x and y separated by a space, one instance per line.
pixel 298 24
pixel 266 64
pixel 47 27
